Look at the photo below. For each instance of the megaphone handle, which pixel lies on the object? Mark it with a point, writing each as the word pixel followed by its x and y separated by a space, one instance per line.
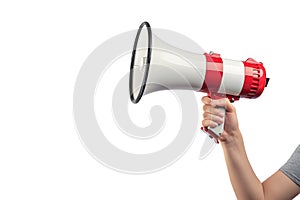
pixel 216 132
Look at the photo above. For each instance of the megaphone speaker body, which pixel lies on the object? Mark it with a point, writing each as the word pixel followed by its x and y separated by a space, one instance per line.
pixel 156 65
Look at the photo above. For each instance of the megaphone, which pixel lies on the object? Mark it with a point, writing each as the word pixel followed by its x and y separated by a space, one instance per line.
pixel 156 65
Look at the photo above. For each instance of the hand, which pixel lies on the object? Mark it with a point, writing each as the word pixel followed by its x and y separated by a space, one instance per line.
pixel 212 117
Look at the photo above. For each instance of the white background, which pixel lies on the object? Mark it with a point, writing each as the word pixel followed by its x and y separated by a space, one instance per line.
pixel 42 48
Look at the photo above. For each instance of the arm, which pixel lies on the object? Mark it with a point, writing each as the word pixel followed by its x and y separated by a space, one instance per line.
pixel 243 179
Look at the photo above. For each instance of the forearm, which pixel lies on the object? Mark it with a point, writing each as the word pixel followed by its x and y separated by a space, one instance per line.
pixel 243 179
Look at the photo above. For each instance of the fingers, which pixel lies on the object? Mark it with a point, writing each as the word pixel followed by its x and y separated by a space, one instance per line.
pixel 213 110
pixel 206 100
pixel 224 102
pixel 209 123
pixel 214 118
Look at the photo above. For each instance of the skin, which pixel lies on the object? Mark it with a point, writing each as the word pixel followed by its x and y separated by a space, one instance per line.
pixel 245 183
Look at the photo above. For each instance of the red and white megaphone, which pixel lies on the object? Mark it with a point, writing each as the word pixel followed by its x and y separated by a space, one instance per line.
pixel 156 65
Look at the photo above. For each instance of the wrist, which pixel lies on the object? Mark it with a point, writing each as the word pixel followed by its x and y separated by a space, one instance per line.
pixel 233 139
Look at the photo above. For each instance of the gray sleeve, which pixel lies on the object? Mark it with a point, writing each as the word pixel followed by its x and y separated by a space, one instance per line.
pixel 292 167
